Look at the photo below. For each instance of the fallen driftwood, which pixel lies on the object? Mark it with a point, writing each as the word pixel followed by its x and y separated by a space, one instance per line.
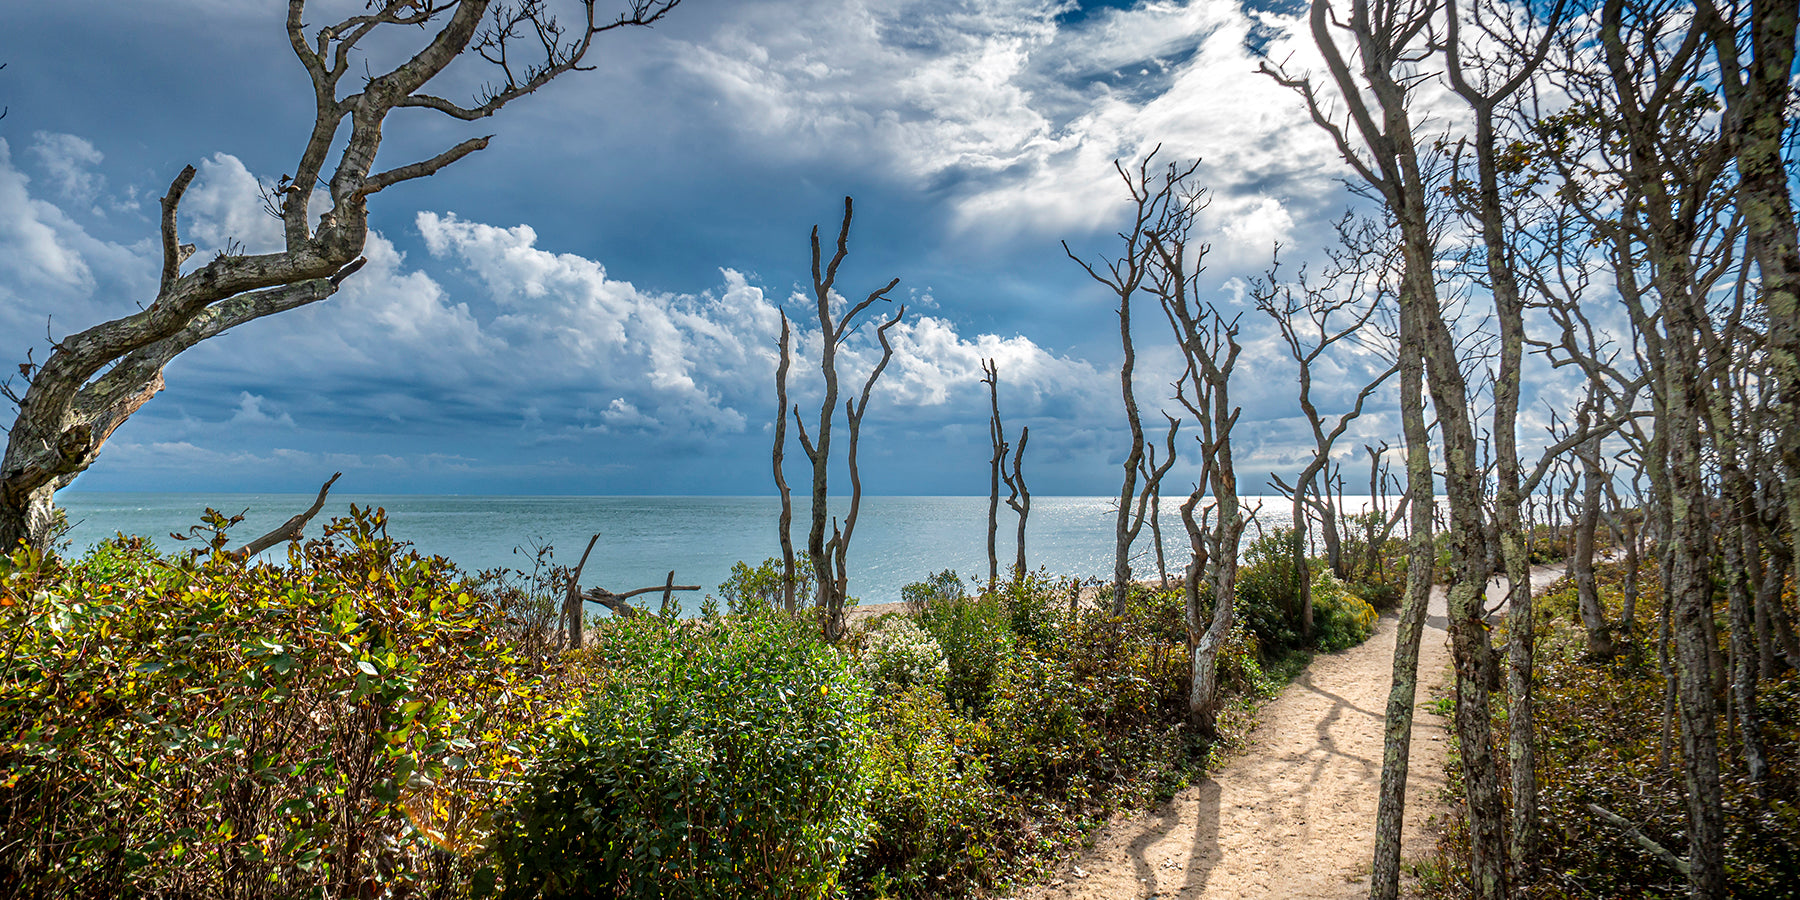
pixel 291 530
pixel 1643 840
pixel 614 601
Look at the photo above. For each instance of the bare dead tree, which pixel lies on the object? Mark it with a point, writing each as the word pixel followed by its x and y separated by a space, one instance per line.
pixel 1018 495
pixel 574 597
pixel 1019 498
pixel 786 522
pixel 93 380
pixel 1754 43
pixel 573 621
pixel 838 547
pixel 1373 58
pixel 1152 474
pixel 827 555
pixel 1587 527
pixel 1304 315
pixel 997 436
pixel 622 609
pixel 1379 521
pixel 1151 197
pixel 1210 350
pixel 1647 167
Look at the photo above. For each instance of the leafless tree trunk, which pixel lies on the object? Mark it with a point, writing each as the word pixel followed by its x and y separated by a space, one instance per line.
pixel 1754 42
pixel 789 577
pixel 991 377
pixel 1151 198
pixel 291 530
pixel 1152 473
pixel 1587 527
pixel 1388 38
pixel 1379 527
pixel 1674 236
pixel 1019 498
pixel 827 555
pixel 93 380
pixel 1627 529
pixel 1209 350
pixel 1308 332
pixel 1390 813
pixel 572 617
pixel 839 546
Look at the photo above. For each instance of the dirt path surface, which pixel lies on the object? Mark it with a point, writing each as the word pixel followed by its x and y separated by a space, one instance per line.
pixel 1294 816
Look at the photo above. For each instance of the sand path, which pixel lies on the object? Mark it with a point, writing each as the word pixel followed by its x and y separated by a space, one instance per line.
pixel 1293 816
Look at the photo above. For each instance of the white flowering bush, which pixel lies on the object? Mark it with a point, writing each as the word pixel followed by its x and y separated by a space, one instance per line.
pixel 899 655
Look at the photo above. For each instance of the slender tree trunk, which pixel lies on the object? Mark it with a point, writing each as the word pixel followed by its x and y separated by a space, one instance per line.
pixel 1403 692
pixel 997 437
pixel 785 525
pixel 1019 499
pixel 827 564
pixel 1587 526
pixel 1162 565
pixel 1692 609
pixel 1302 582
pixel 1124 528
pixel 1334 542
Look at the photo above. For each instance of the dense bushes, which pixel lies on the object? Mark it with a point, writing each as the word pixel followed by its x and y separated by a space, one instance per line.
pixel 711 758
pixel 1341 619
pixel 199 726
pixel 1269 599
pixel 1267 589
pixel 1045 719
pixel 1599 738
pixel 362 721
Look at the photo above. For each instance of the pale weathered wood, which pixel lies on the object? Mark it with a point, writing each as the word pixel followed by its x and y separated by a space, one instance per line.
pixel 291 530
pixel 94 379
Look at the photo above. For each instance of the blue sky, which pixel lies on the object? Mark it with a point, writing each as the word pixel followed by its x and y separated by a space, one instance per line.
pixel 589 306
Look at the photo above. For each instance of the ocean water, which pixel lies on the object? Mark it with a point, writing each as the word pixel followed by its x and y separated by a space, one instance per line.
pixel 898 540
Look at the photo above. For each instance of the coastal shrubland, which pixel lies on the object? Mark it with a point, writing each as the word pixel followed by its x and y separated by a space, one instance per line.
pixel 359 719
pixel 189 724
pixel 1606 740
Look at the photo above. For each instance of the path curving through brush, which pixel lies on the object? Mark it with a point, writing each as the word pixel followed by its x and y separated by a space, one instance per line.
pixel 1294 815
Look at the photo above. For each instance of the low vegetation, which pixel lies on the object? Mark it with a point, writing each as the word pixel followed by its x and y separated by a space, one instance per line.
pixel 360 720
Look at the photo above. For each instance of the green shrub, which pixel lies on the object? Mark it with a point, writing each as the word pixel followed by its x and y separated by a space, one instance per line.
pixel 1032 608
pixel 1341 620
pixel 938 587
pixel 976 636
pixel 1267 601
pixel 201 726
pixel 936 815
pixel 1379 594
pixel 749 587
pixel 1161 616
pixel 712 758
pixel 1044 722
pixel 1240 662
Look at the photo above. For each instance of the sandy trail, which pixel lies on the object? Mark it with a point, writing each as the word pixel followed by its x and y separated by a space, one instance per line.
pixel 1294 816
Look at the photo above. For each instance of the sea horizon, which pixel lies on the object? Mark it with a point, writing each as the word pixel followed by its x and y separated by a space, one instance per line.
pixel 899 539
